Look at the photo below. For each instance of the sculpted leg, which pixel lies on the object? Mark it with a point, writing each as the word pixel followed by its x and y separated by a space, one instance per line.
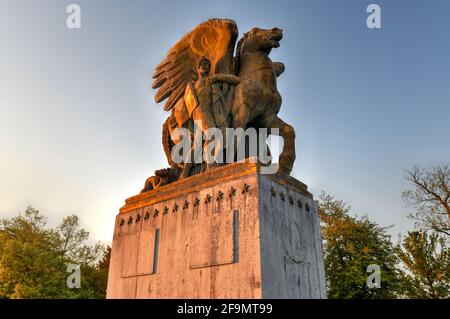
pixel 206 120
pixel 203 116
pixel 287 156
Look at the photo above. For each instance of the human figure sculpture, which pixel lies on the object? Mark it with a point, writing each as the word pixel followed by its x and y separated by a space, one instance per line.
pixel 208 100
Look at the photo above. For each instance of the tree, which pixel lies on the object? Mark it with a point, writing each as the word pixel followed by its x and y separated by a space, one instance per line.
pixel 351 244
pixel 34 258
pixel 430 197
pixel 73 249
pixel 103 269
pixel 427 261
pixel 29 268
pixel 72 243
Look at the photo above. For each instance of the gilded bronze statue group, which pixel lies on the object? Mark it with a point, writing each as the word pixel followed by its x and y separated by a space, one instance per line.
pixel 206 78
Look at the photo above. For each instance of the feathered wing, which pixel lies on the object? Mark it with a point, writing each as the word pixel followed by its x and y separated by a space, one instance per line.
pixel 214 39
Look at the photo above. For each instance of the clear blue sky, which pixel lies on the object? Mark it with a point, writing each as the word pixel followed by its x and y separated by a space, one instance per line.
pixel 79 131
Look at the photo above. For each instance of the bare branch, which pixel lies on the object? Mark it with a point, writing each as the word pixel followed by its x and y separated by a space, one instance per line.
pixel 430 196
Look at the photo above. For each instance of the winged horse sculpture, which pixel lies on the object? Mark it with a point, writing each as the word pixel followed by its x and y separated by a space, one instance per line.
pixel 243 89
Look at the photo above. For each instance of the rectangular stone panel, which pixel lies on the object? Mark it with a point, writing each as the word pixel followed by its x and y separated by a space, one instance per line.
pixel 212 240
pixel 130 254
pixel 146 251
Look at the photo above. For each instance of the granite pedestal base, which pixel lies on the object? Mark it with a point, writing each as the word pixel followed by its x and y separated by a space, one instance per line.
pixel 228 233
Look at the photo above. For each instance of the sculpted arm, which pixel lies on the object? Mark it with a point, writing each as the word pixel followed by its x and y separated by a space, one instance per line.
pixel 228 78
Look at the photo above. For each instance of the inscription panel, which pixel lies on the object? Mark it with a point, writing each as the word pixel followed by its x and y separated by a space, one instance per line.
pixel 212 240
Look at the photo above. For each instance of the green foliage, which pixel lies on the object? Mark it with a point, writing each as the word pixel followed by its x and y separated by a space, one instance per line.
pixel 427 260
pixel 351 244
pixel 33 259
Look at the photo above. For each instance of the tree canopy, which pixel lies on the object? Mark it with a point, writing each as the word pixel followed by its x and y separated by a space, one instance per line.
pixel 351 244
pixel 34 258
pixel 426 258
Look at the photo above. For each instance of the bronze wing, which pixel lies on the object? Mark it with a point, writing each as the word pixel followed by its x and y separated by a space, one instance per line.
pixel 214 39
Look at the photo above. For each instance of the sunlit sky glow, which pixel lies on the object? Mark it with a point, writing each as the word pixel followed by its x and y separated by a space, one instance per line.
pixel 79 131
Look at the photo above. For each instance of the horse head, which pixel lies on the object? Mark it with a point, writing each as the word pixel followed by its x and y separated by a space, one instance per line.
pixel 258 39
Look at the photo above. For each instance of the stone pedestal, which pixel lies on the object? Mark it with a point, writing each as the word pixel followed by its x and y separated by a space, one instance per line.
pixel 228 233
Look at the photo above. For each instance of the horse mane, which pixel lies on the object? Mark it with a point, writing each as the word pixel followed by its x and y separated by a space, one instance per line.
pixel 237 57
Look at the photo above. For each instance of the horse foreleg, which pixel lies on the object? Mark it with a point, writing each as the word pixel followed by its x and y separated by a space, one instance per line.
pixel 239 119
pixel 287 156
pixel 278 67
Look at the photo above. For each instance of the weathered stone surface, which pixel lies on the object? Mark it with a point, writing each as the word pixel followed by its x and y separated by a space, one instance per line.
pixel 227 233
